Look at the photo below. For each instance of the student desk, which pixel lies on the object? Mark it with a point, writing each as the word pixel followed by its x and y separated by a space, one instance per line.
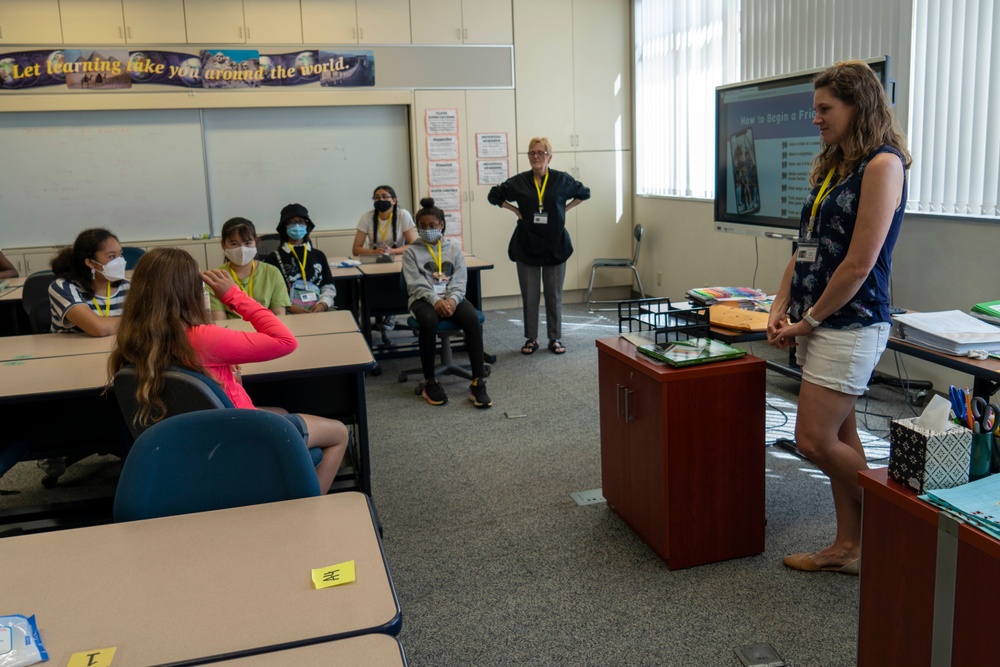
pixel 371 650
pixel 58 400
pixel 382 294
pixel 179 590
pixel 331 321
pixel 929 585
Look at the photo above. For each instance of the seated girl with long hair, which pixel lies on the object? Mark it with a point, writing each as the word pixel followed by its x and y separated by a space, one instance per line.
pixel 90 286
pixel 165 323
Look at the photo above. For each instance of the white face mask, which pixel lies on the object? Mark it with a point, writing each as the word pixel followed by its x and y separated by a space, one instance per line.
pixel 114 270
pixel 241 256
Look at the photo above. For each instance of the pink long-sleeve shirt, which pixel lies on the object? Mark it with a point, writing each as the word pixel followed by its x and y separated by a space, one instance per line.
pixel 221 348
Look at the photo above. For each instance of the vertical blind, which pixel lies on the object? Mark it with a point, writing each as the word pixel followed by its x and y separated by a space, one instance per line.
pixel 683 50
pixel 955 86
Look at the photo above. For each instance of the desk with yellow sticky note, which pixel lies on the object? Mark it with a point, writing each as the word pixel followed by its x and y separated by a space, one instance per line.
pixel 204 587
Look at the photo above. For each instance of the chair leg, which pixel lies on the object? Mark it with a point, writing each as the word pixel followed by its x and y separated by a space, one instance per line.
pixel 590 290
pixel 642 293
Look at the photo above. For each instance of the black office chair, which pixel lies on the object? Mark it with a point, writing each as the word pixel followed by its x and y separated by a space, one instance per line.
pixel 35 300
pixel 213 459
pixel 446 330
pixel 617 263
pixel 184 391
pixel 131 255
pixel 266 244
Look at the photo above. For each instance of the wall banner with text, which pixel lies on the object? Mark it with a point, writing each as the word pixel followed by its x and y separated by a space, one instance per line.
pixel 118 69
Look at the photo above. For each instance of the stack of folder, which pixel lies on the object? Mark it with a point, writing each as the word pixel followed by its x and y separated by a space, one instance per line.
pixel 949 331
pixel 988 311
pixel 690 352
pixel 974 503
pixel 709 296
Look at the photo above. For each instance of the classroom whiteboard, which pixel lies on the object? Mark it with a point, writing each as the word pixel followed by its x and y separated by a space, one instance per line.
pixel 139 173
pixel 329 159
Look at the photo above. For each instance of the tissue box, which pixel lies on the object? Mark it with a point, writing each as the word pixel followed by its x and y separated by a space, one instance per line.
pixel 923 459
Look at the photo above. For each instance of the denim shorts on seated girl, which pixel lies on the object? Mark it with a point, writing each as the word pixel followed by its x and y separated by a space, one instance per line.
pixel 841 359
pixel 300 425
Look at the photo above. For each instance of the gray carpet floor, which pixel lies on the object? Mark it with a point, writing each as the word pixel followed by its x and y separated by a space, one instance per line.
pixel 496 564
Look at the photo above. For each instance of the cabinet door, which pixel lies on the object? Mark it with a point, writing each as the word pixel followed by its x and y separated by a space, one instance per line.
pixel 615 464
pixel 443 99
pixel 436 21
pixel 17 261
pixel 30 22
pixel 643 412
pixel 384 22
pixel 214 21
pixel 491 111
pixel 37 261
pixel 543 61
pixel 273 21
pixel 601 81
pixel 92 22
pixel 487 22
pixel 604 222
pixel 154 21
pixel 329 22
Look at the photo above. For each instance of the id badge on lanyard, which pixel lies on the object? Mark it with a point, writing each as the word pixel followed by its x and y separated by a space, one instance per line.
pixel 541 218
pixel 806 251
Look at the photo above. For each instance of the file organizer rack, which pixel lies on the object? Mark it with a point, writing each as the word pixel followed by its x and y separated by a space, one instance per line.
pixel 658 316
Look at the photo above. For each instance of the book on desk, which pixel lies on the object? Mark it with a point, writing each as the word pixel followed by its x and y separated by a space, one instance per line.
pixel 690 352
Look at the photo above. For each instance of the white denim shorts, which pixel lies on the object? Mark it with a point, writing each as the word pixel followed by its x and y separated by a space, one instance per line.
pixel 841 359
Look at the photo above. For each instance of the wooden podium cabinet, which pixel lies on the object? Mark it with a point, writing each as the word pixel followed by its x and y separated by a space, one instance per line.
pixel 682 453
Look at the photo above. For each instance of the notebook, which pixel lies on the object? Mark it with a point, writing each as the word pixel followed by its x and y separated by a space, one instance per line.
pixel 690 352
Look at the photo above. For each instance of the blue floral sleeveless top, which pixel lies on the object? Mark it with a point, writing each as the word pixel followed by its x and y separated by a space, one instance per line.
pixel 837 215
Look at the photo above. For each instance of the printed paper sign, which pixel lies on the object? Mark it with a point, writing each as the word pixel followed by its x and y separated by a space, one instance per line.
pixel 443 147
pixel 492 172
pixel 443 173
pixel 491 144
pixel 447 199
pixel 453 226
pixel 442 121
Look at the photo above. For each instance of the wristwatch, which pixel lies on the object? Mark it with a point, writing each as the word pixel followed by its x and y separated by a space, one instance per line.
pixel 812 321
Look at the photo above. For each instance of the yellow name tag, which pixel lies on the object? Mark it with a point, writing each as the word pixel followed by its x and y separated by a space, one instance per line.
pixel 333 575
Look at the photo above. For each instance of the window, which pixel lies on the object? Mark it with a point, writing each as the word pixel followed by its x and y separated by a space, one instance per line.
pixel 683 50
pixel 955 86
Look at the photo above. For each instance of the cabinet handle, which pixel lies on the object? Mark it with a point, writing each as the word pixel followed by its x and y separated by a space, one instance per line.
pixel 361 33
pixel 472 195
pixel 240 29
pixel 618 401
pixel 121 35
pixel 1 32
pixel 458 33
pixel 354 33
pixel 465 33
pixel 248 32
pixel 628 417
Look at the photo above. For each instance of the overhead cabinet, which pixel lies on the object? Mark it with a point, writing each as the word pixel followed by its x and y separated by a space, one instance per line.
pixel 461 21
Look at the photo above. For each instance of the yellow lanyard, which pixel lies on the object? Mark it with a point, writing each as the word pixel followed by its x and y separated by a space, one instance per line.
pixel 249 288
pixel 107 303
pixel 541 190
pixel 437 260
pixel 820 196
pixel 384 229
pixel 302 262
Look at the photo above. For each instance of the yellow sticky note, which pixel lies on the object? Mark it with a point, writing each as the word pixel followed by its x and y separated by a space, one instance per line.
pixel 101 657
pixel 333 575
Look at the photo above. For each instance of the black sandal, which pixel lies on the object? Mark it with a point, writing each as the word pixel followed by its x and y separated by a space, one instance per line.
pixel 530 346
pixel 556 347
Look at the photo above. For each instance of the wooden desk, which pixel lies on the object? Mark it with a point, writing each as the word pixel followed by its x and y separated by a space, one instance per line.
pixel 682 453
pixel 213 584
pixel 40 346
pixel 372 650
pixel 929 585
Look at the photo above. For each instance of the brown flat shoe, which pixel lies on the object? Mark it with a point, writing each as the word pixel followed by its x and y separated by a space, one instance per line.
pixel 804 563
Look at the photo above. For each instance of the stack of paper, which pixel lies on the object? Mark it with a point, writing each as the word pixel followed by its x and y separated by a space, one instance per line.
pixel 709 296
pixel 974 503
pixel 692 351
pixel 949 331
pixel 988 311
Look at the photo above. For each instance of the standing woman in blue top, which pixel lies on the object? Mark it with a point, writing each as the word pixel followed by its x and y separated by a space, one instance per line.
pixel 90 286
pixel 833 303
pixel 540 245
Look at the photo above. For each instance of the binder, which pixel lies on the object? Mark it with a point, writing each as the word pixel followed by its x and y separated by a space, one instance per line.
pixel 691 352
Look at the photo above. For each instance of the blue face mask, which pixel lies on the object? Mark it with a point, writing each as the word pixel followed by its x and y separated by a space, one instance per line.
pixel 429 235
pixel 296 232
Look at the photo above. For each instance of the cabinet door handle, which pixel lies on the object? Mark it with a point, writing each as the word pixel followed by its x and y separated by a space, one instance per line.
pixel 240 30
pixel 121 35
pixel 1 32
pixel 618 401
pixel 354 33
pixel 458 33
pixel 361 33
pixel 248 32
pixel 465 33
pixel 472 195
pixel 628 417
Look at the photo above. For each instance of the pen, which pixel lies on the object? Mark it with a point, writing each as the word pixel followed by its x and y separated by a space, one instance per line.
pixel 968 406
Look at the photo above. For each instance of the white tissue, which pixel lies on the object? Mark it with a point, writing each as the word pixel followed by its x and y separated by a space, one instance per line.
pixel 935 415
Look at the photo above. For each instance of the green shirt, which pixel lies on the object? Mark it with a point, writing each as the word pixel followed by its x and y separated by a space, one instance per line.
pixel 268 289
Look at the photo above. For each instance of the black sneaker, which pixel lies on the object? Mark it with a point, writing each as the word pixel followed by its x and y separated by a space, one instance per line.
pixel 478 395
pixel 434 393
pixel 389 323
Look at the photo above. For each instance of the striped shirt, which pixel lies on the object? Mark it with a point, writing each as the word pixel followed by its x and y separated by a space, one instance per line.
pixel 64 294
